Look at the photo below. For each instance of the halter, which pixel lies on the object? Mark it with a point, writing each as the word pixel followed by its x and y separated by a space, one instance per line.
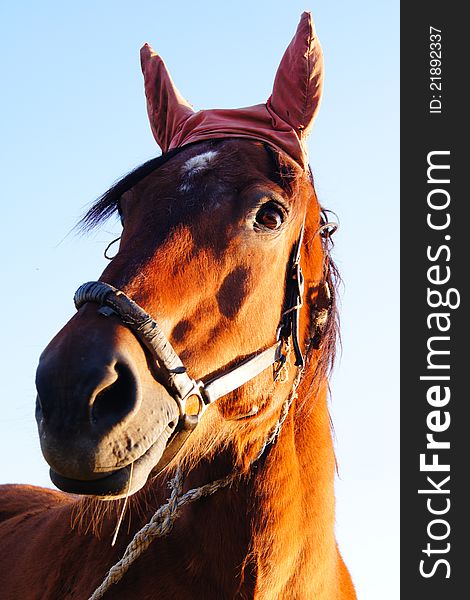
pixel 193 397
pixel 184 390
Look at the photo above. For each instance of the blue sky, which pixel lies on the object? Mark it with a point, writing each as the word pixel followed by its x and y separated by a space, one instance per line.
pixel 74 120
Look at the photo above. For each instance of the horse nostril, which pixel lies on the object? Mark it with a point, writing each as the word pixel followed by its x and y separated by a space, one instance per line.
pixel 115 401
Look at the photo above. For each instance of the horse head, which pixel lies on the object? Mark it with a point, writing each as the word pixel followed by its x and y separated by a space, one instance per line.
pixel 223 242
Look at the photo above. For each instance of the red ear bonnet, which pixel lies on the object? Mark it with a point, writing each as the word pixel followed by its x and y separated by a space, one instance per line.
pixel 283 122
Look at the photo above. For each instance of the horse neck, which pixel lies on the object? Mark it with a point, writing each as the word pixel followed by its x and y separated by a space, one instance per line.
pixel 277 521
pixel 294 538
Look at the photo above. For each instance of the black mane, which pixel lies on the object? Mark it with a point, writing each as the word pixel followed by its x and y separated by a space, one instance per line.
pixel 108 203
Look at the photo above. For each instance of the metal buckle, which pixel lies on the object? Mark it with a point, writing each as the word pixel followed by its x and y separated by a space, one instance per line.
pixel 194 392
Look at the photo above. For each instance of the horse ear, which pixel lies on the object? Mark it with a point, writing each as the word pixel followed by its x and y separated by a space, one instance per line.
pixel 166 107
pixel 298 84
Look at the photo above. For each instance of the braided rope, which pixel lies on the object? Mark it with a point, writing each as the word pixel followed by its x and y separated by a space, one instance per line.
pixel 160 525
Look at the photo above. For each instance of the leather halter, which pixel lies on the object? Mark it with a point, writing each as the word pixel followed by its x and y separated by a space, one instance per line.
pixel 183 388
pixel 171 369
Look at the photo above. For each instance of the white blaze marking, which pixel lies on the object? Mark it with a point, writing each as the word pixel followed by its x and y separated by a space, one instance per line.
pixel 195 165
pixel 198 163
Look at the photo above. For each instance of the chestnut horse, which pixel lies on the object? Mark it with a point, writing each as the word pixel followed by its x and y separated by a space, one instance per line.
pixel 225 245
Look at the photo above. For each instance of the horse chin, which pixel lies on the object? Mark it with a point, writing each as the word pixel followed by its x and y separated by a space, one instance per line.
pixel 122 482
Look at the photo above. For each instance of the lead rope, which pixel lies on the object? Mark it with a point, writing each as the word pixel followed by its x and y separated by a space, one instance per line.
pixel 159 525
pixel 163 520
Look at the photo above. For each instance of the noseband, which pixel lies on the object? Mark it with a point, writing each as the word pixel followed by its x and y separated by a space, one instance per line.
pixel 193 397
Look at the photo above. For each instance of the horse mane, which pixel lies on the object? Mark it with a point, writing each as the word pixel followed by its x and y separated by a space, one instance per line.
pixel 108 203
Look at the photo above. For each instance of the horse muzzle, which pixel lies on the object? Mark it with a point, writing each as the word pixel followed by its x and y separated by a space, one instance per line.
pixel 104 421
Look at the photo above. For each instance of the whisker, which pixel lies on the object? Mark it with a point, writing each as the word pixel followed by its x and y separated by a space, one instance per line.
pixel 121 516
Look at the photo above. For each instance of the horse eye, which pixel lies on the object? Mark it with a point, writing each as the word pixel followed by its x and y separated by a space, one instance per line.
pixel 270 216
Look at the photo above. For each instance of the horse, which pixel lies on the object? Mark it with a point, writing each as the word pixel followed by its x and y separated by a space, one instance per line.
pixel 183 409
